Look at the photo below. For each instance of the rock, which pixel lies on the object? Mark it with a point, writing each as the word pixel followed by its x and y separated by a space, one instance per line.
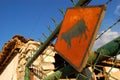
pixel 47 58
pixel 38 61
pixel 20 70
pixel 23 62
pixel 47 66
pixel 51 72
pixel 50 52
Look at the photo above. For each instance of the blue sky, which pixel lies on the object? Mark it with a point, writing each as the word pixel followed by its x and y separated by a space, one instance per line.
pixel 30 17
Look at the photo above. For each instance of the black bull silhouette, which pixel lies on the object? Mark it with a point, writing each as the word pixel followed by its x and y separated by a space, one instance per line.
pixel 78 30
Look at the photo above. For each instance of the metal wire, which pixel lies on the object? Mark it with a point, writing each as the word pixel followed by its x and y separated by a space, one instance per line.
pixel 109 1
pixel 108 28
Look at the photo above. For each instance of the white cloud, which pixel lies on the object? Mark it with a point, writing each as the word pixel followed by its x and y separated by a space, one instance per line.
pixel 107 37
pixel 117 10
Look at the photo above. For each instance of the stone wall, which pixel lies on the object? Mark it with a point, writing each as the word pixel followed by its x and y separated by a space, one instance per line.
pixel 41 67
pixel 13 68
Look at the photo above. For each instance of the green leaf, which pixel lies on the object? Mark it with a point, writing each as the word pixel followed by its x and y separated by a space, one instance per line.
pixel 61 11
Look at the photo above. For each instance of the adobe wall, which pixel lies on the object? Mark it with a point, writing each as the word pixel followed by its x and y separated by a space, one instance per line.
pixel 10 72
